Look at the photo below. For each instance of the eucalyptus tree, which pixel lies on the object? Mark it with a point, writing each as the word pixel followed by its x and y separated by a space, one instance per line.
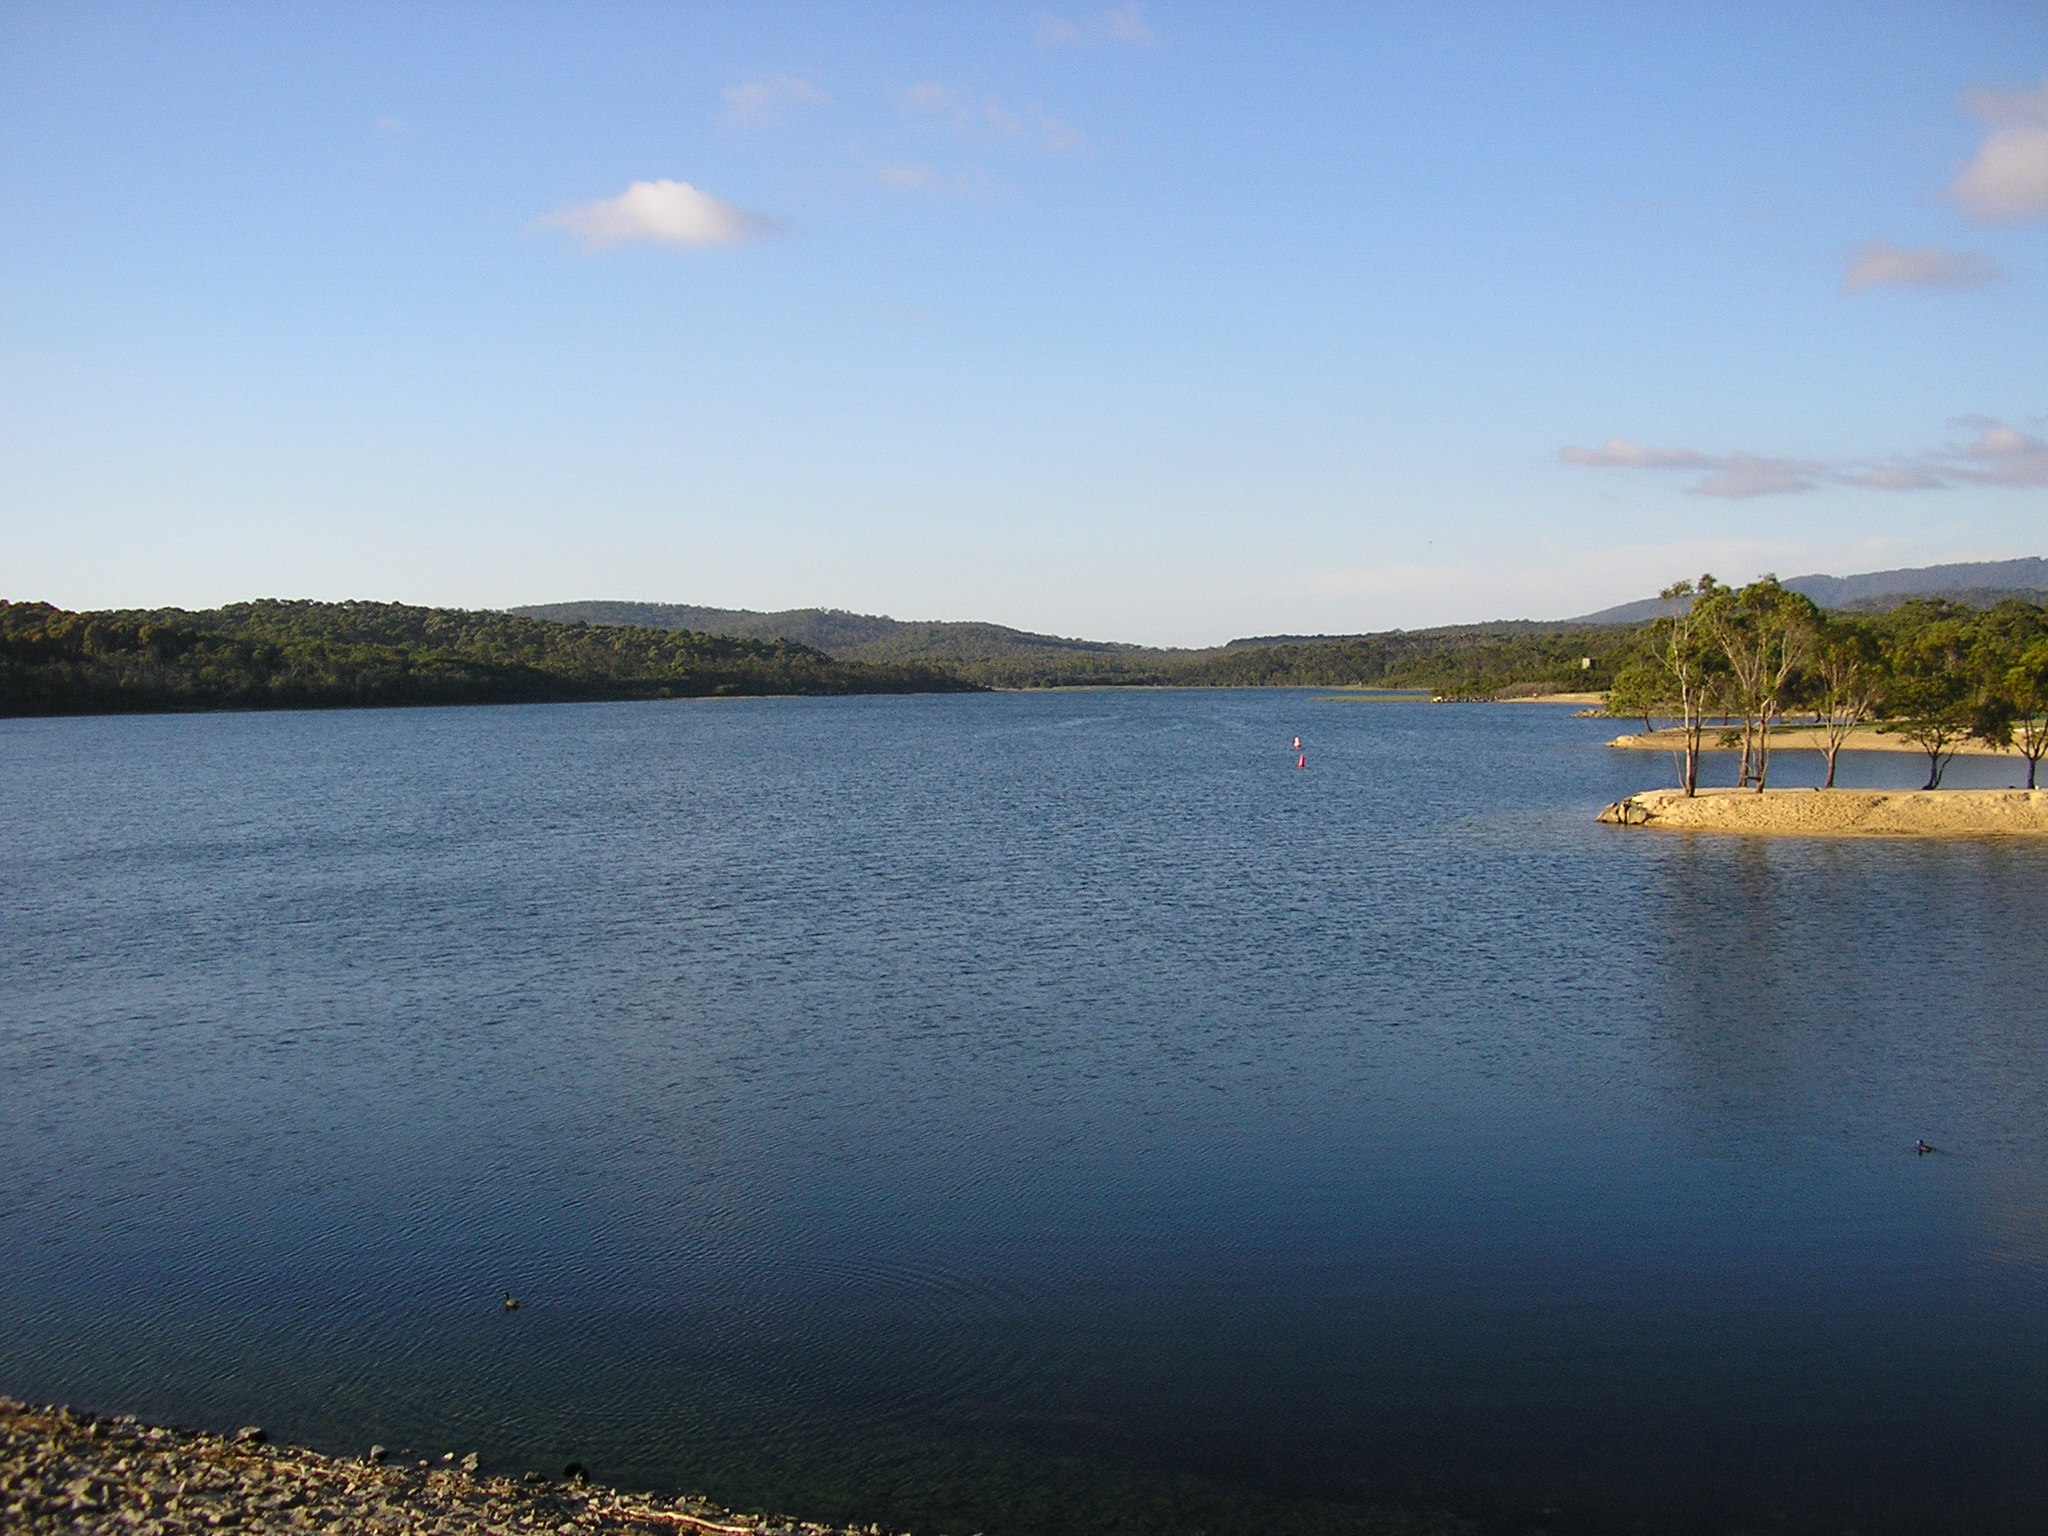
pixel 1683 650
pixel 1933 697
pixel 1766 634
pixel 1640 691
pixel 2026 688
pixel 1844 683
pixel 2011 656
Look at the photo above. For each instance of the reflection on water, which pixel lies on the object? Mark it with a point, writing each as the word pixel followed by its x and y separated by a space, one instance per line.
pixel 1027 1114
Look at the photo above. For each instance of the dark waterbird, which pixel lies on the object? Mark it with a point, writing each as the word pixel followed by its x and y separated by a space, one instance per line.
pixel 511 1302
pixel 1922 1148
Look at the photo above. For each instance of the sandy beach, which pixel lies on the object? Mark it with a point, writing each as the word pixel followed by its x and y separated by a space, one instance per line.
pixel 1840 812
pixel 1801 738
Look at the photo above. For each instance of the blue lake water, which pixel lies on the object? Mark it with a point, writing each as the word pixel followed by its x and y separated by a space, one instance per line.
pixel 1028 1113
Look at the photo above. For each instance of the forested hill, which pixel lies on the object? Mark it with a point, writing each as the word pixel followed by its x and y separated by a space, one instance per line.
pixel 1463 660
pixel 1977 584
pixel 304 655
pixel 872 637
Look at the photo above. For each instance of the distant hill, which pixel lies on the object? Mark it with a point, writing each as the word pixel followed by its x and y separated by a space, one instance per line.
pixel 1639 612
pixel 1979 583
pixel 990 653
pixel 2003 577
pixel 1461 660
pixel 1450 632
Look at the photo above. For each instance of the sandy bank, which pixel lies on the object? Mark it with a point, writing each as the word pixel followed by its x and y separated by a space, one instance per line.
pixel 1802 738
pixel 1841 812
pixel 70 1472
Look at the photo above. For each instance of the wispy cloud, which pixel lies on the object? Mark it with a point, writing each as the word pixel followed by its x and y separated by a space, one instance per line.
pixel 1620 453
pixel 1997 455
pixel 1880 264
pixel 916 176
pixel 968 117
pixel 2000 455
pixel 767 102
pixel 1118 24
pixel 671 213
pixel 2007 181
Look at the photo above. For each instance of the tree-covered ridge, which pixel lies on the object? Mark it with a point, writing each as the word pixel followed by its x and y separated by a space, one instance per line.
pixel 1467 662
pixel 304 655
pixel 871 637
pixel 1464 661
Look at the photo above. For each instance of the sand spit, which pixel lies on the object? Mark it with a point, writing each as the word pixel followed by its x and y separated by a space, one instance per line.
pixel 1841 812
pixel 61 1470
pixel 1804 738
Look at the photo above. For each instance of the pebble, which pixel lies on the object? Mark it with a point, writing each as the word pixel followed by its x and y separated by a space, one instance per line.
pixel 69 1472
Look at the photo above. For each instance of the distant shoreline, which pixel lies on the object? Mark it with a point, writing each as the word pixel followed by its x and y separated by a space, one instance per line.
pixel 1801 738
pixel 1839 812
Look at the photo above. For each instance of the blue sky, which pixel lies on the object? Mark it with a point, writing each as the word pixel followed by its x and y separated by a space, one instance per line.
pixel 1164 322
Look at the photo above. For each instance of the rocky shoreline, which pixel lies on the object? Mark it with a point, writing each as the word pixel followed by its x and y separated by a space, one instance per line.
pixel 66 1471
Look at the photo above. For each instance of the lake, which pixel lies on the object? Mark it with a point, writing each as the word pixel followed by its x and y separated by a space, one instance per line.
pixel 1029 1113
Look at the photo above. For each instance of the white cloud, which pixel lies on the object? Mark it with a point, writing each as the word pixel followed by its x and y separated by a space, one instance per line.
pixel 1998 455
pixel 928 96
pixel 2001 455
pixel 1126 23
pixel 1053 30
pixel 1620 453
pixel 1742 475
pixel 1880 264
pixel 672 213
pixel 902 173
pixel 2008 179
pixel 1118 24
pixel 966 117
pixel 765 103
pixel 1895 477
pixel 916 176
pixel 1053 134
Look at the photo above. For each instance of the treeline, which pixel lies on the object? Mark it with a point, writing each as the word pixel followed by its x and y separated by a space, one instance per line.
pixel 1930 670
pixel 1474 663
pixel 304 655
pixel 1477 661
